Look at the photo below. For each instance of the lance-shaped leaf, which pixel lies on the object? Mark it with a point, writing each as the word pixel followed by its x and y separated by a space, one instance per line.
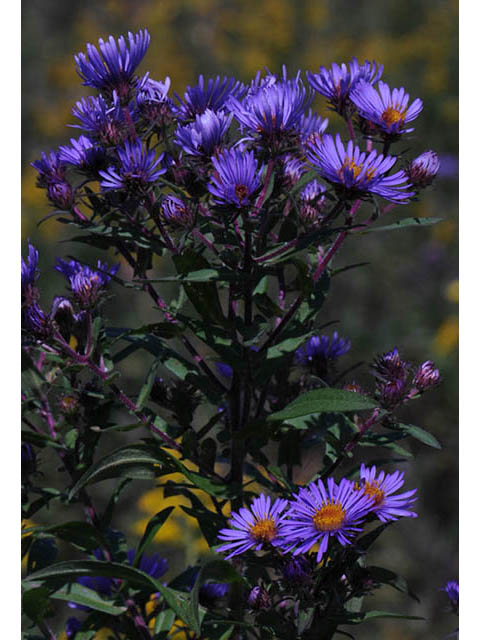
pixel 322 401
pixel 140 461
pixel 385 576
pixel 421 435
pixel 402 224
pixel 79 594
pixel 63 573
pixel 80 534
pixel 151 530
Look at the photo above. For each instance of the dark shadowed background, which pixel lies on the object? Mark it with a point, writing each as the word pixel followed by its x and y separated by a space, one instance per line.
pixel 406 297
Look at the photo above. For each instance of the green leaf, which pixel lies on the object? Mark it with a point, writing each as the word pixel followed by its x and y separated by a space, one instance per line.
pixel 164 621
pixel 35 603
pixel 201 275
pixel 420 434
pixel 68 571
pixel 151 529
pixel 81 534
pixel 147 387
pixel 406 222
pixel 89 598
pixel 324 400
pixel 107 515
pixel 385 576
pixel 220 490
pixel 357 618
pixel 140 461
pixel 180 602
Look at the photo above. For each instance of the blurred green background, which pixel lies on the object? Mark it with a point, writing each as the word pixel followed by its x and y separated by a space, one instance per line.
pixel 406 297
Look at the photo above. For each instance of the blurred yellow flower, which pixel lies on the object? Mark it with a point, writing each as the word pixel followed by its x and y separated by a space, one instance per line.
pixel 446 338
pixel 452 291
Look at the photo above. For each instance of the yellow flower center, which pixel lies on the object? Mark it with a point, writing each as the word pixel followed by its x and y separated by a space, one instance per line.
pixel 264 530
pixel 357 169
pixel 329 517
pixel 372 490
pixel 392 115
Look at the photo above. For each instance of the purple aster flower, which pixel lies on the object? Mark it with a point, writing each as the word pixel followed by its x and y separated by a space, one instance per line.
pixel 224 369
pixel 292 169
pixel 204 136
pixel 320 351
pixel 318 513
pixel 297 571
pixel 86 283
pixel 426 377
pixel 154 565
pixel 452 591
pixel 102 120
pixel 51 169
pixel 386 506
pixel 336 83
pixel 35 321
pixel 386 108
pixel 153 101
pixel 312 202
pixel 274 111
pixel 357 172
pixel 29 268
pixel 113 67
pixel 259 599
pixel 71 627
pixel 83 154
pixel 311 126
pixel 255 527
pixel 422 170
pixel 211 94
pixel 235 179
pixel 177 212
pixel 268 80
pixel 138 168
pixel 210 592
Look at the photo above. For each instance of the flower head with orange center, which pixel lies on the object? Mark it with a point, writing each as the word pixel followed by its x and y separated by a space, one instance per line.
pixel 235 179
pixel 386 108
pixel 381 488
pixel 355 172
pixel 255 527
pixel 319 512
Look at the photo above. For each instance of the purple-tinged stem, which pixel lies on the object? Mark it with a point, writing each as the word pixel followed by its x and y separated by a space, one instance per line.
pixel 335 246
pixel 261 198
pixel 350 129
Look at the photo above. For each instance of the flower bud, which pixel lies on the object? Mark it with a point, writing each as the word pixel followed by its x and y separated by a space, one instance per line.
pixel 60 195
pixel 426 376
pixel 259 598
pixel 177 213
pixel 423 169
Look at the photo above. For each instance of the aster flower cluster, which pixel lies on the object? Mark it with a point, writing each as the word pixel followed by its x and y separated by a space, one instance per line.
pixel 394 383
pixel 216 136
pixel 317 515
pixel 86 284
